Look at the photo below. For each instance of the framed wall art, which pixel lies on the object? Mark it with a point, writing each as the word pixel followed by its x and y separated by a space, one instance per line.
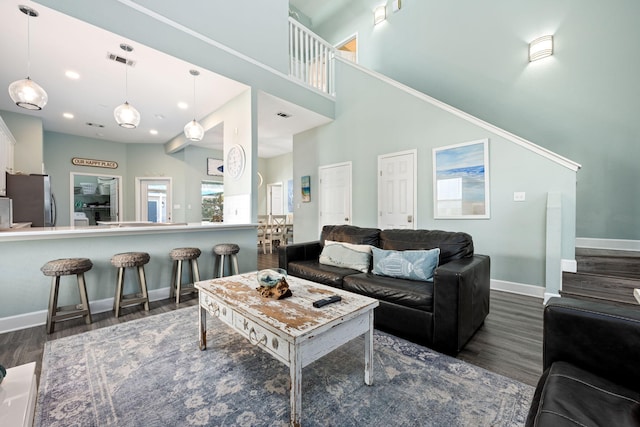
pixel 306 188
pixel 214 166
pixel 461 181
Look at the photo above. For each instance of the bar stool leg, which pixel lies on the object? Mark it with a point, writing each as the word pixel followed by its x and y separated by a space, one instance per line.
pixel 216 267
pixel 178 281
pixel 194 269
pixel 172 288
pixel 82 287
pixel 234 258
pixel 222 263
pixel 143 287
pixel 119 290
pixel 53 303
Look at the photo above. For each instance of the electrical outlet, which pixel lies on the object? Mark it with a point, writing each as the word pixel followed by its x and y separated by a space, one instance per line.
pixel 519 196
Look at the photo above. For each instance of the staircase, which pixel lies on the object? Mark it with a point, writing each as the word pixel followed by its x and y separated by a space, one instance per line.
pixel 604 275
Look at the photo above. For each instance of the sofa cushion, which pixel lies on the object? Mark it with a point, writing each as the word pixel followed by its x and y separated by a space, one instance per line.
pixel 346 255
pixel 571 396
pixel 408 293
pixel 350 234
pixel 319 273
pixel 453 245
pixel 411 264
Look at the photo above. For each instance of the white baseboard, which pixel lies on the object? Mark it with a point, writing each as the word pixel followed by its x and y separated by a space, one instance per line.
pixel 569 265
pixel 518 288
pixel 548 296
pixel 38 318
pixel 615 244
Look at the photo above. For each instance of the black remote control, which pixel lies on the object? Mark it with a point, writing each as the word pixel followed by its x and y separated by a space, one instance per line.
pixel 325 301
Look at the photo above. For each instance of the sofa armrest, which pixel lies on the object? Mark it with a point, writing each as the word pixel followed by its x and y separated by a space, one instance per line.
pixel 298 252
pixel 597 337
pixel 460 301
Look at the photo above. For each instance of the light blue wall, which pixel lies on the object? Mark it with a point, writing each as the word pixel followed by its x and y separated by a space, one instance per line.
pixel 581 103
pixel 187 169
pixel 365 128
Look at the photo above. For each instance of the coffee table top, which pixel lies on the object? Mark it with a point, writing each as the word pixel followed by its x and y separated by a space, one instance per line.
pixel 296 316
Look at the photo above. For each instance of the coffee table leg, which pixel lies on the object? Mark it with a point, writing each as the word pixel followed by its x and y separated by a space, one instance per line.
pixel 368 352
pixel 202 325
pixel 295 369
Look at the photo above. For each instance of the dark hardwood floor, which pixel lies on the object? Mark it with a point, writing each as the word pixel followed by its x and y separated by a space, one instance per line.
pixel 509 343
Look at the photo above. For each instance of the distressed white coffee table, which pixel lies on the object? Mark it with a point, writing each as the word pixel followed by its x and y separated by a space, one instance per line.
pixel 291 330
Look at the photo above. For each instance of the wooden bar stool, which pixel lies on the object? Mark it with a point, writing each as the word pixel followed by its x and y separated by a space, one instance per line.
pixel 178 255
pixel 222 250
pixel 122 261
pixel 67 267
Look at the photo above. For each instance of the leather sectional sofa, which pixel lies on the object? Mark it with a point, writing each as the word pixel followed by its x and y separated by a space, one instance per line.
pixel 442 314
pixel 591 369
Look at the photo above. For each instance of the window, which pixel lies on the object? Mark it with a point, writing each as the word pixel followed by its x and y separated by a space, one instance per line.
pixel 212 201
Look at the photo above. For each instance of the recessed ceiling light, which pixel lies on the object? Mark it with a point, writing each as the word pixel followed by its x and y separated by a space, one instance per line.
pixel 72 75
pixel 67 115
pixel 153 132
pixel 183 105
pixel 159 116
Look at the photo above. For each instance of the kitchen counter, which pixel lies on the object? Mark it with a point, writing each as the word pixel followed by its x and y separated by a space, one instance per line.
pixel 17 226
pixel 25 290
pixel 113 228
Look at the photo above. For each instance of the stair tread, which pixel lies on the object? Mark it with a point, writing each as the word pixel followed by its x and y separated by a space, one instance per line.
pixel 627 303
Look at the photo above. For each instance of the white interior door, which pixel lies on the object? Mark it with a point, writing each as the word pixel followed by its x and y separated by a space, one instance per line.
pixel 275 199
pixel 397 190
pixel 153 199
pixel 335 194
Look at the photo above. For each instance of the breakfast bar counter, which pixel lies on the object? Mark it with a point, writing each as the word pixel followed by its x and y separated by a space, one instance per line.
pixel 24 290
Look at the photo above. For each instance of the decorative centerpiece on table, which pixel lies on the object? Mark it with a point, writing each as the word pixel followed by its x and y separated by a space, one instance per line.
pixel 273 283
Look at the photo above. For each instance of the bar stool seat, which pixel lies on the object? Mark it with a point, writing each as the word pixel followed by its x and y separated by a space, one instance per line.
pixel 221 251
pixel 123 261
pixel 67 267
pixel 178 255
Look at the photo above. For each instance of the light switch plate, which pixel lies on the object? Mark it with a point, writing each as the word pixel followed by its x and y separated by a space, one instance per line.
pixel 519 196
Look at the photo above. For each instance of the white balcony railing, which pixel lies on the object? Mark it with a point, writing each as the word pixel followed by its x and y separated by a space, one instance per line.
pixel 311 59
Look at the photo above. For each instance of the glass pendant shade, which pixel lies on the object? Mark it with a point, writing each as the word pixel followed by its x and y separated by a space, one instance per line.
pixel 127 116
pixel 194 131
pixel 28 94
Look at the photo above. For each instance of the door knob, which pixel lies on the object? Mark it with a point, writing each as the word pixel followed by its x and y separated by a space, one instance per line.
pixel 409 218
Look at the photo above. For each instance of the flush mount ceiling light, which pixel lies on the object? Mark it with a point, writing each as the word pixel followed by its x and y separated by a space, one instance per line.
pixel 125 114
pixel 26 93
pixel 540 48
pixel 194 130
pixel 379 14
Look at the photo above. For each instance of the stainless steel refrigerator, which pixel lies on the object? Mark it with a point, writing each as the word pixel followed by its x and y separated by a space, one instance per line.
pixel 32 199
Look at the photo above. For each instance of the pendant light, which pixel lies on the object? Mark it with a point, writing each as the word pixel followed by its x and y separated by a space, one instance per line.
pixel 26 93
pixel 126 115
pixel 194 130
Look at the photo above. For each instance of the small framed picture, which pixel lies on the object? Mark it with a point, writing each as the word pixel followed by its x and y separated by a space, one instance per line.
pixel 306 188
pixel 214 166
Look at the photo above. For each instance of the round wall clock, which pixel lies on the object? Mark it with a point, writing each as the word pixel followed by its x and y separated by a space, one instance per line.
pixel 235 162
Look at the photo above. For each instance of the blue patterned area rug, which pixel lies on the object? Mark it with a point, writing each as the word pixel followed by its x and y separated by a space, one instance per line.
pixel 150 372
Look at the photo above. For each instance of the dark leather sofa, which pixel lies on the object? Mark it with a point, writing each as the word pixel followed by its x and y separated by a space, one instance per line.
pixel 443 314
pixel 591 366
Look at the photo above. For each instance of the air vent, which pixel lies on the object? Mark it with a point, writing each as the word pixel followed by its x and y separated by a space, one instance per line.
pixel 283 115
pixel 94 125
pixel 120 59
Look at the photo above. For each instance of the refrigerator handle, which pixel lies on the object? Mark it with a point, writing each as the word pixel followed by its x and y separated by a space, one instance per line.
pixel 53 211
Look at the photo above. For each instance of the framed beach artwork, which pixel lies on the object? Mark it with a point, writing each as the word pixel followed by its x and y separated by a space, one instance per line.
pixel 306 188
pixel 461 181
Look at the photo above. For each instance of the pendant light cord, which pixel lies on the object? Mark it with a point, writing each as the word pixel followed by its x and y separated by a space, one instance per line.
pixel 28 46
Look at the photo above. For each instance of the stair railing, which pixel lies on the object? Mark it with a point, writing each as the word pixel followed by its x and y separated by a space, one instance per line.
pixel 311 59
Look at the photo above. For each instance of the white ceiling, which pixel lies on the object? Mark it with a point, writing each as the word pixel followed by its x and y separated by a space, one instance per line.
pixel 156 84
